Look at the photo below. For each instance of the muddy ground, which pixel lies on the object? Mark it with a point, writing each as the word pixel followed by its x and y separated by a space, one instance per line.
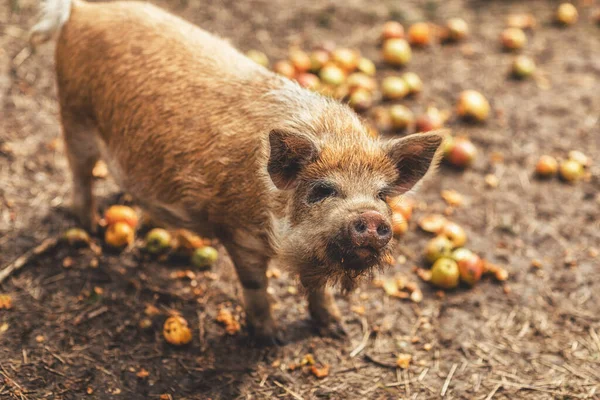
pixel 73 332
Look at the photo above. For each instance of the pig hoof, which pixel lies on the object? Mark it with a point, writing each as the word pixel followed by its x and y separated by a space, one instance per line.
pixel 263 337
pixel 334 329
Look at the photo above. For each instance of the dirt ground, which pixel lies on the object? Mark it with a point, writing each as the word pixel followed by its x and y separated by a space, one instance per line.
pixel 74 332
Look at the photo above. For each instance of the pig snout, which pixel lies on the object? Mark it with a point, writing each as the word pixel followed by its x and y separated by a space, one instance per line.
pixel 370 231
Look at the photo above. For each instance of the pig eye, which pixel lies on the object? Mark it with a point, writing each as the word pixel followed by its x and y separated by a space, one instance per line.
pixel 320 192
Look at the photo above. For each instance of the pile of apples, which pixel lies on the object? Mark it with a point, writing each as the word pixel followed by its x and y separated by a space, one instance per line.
pixel 451 262
pixel 121 222
pixel 345 74
pixel 571 170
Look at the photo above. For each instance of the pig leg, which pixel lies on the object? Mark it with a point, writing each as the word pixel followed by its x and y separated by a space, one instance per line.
pixel 251 267
pixel 83 153
pixel 325 313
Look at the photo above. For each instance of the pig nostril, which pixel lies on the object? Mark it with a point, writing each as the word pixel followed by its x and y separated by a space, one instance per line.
pixel 360 227
pixel 383 230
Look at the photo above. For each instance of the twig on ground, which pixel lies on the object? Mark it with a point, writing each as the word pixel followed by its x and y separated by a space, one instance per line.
pixel 201 331
pixel 448 380
pixel 293 394
pixel 86 316
pixel 365 340
pixel 21 261
pixel 493 392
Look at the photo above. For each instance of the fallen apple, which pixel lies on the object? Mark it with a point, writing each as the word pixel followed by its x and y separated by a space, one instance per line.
pixel 366 66
pixel 430 121
pixel 258 57
pixel 177 331
pixel 546 166
pixel 455 233
pixel 399 224
pixel 513 38
pixel 119 234
pixel 347 59
pixel 119 213
pixel 392 30
pixel 523 67
pixel 360 80
pixel 284 68
pixel 566 14
pixel 300 60
pixel 470 269
pixel 457 29
pixel 76 237
pixel 401 117
pixel 473 105
pixel 445 273
pixel 437 248
pixel 581 158
pixel 394 88
pixel 414 83
pixel 361 99
pixel 397 52
pixel 419 34
pixel 333 75
pixel 462 153
pixel 158 240
pixel 571 170
pixel 308 80
pixel 318 59
pixel 204 257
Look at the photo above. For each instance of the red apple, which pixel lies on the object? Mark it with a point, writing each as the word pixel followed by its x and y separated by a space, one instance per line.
pixel 419 34
pixel 513 38
pixel 546 166
pixel 284 68
pixel 392 30
pixel 470 269
pixel 462 153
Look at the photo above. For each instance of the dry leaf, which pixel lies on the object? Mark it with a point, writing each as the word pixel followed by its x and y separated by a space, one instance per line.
pixel 5 302
pixel 424 274
pixel 308 359
pixel 452 198
pixel 416 296
pixel 320 372
pixel 67 262
pixel 492 181
pixel 226 318
pixel 142 373
pixel 360 310
pixel 432 223
pixel 403 360
pixel 151 310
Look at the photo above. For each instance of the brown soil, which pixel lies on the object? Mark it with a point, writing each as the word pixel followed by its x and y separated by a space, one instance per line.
pixel 64 339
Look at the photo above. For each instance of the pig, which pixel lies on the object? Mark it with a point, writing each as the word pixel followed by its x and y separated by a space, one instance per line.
pixel 205 139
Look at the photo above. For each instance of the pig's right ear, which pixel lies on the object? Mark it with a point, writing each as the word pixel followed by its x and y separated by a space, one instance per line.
pixel 289 153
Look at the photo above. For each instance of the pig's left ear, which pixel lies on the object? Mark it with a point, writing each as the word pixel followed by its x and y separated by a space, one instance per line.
pixel 289 153
pixel 414 156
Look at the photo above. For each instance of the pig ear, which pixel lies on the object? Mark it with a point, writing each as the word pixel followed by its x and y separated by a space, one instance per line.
pixel 414 156
pixel 290 152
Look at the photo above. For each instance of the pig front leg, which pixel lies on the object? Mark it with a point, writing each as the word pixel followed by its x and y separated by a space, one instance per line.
pixel 251 266
pixel 325 313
